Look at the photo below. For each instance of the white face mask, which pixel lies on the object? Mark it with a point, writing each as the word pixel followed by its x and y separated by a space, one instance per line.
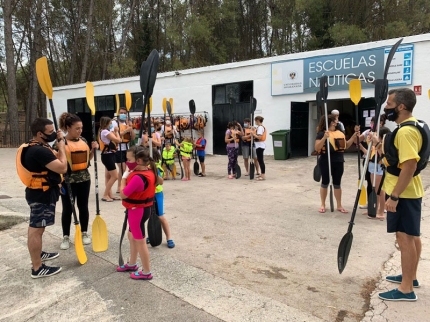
pixel 167 122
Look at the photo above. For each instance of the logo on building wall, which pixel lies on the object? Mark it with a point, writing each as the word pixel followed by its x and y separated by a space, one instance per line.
pixel 293 75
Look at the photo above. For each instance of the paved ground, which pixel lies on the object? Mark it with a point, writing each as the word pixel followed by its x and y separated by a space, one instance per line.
pixel 246 251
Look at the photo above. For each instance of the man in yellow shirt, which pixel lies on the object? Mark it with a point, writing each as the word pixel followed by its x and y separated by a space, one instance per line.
pixel 404 192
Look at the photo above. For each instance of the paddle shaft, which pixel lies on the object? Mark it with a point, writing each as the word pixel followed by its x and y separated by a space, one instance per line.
pixel 358 143
pixel 96 176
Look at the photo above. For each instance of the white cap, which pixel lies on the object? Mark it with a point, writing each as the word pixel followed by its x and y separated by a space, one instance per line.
pixel 335 112
pixel 168 122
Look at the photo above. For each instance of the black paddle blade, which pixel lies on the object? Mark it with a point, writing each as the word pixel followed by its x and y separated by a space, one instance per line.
pixel 124 227
pixel 343 251
pixel 238 172
pixel 371 204
pixel 319 100
pixel 196 168
pixel 155 233
pixel 192 106
pixel 251 171
pixel 331 199
pixel 390 57
pixel 169 110
pixel 253 104
pixel 148 74
pixel 324 87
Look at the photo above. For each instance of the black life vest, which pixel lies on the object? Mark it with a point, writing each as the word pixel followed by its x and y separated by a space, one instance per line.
pixel 391 155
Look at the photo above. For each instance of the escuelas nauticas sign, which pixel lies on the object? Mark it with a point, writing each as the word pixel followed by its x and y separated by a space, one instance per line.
pixel 302 76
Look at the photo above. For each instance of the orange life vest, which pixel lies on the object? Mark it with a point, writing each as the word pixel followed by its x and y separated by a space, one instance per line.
pixel 145 198
pixel 126 137
pixel 78 154
pixel 168 131
pixel 337 141
pixel 247 132
pixel 263 136
pixel 32 180
pixel 111 147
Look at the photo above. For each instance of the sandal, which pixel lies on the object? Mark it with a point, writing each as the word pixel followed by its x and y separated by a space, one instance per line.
pixel 230 176
pixel 380 217
pixel 342 210
pixel 260 178
pixel 170 243
pixel 116 198
pixel 107 200
pixel 321 210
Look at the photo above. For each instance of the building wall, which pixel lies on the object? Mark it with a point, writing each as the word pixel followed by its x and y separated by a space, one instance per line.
pixel 197 84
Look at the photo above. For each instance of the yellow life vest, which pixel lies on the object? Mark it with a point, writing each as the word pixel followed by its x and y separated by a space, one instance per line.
pixel 32 180
pixel 337 141
pixel 78 154
pixel 168 156
pixel 126 137
pixel 187 149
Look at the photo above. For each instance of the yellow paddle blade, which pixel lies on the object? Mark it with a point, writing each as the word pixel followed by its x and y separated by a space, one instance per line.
pixel 355 91
pixel 362 201
pixel 79 246
pixel 43 77
pixel 429 93
pixel 90 97
pixel 100 235
pixel 171 104
pixel 150 106
pixel 164 105
pixel 117 103
pixel 128 100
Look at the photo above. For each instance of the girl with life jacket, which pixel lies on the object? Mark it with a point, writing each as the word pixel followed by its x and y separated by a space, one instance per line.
pixel 260 134
pixel 169 153
pixel 338 144
pixel 108 137
pixel 137 192
pixel 380 205
pixel 186 150
pixel 78 158
pixel 232 138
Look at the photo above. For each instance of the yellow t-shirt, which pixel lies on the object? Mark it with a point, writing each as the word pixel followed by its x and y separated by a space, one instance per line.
pixel 408 142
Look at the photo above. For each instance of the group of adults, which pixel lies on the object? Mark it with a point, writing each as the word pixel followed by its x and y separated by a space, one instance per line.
pixel 402 189
pixel 253 144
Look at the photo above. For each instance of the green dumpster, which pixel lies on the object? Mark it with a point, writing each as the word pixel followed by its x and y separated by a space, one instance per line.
pixel 281 144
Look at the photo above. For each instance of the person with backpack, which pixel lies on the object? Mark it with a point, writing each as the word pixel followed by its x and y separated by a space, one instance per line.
pixel 406 152
pixel 260 134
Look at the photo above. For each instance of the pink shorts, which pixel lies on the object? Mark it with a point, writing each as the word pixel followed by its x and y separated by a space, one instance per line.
pixel 185 158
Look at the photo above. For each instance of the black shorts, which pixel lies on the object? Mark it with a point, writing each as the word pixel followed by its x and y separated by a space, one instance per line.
pixel 120 156
pixel 108 160
pixel 407 218
pixel 201 159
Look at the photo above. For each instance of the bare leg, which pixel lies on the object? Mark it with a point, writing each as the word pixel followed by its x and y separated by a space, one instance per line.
pixel 203 168
pixel 165 226
pixel 109 184
pixel 246 164
pixel 143 251
pixel 409 261
pixel 133 249
pixel 323 196
pixel 119 176
pixel 338 197
pixel 417 241
pixel 34 244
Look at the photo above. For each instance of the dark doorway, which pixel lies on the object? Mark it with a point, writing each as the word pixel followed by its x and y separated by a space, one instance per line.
pixel 299 129
pixel 222 114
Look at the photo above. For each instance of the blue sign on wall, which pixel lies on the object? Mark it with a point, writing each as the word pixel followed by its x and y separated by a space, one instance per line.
pixel 302 76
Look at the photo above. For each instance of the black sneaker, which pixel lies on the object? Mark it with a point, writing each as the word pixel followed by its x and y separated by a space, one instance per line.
pixel 48 256
pixel 45 271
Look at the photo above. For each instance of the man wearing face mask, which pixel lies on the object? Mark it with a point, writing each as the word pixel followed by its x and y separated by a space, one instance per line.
pixel 404 190
pixel 39 168
pixel 127 134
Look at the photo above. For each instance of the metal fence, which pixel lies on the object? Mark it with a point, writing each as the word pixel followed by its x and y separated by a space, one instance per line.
pixel 6 142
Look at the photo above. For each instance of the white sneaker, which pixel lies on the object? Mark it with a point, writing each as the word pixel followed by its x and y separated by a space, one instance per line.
pixel 65 244
pixel 363 207
pixel 86 240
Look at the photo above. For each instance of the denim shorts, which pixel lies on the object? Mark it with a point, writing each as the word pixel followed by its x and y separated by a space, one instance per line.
pixel 371 169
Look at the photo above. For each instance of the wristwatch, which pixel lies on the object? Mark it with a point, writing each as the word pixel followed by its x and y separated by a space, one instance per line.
pixel 394 198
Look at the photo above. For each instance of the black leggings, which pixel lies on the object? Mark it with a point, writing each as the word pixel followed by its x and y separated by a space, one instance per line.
pixel 336 173
pixel 81 193
pixel 260 158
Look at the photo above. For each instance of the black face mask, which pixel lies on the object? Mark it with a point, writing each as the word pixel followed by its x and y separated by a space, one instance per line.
pixel 50 137
pixel 392 113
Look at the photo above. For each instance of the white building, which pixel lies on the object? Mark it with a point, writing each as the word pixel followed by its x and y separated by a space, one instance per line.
pixel 284 86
